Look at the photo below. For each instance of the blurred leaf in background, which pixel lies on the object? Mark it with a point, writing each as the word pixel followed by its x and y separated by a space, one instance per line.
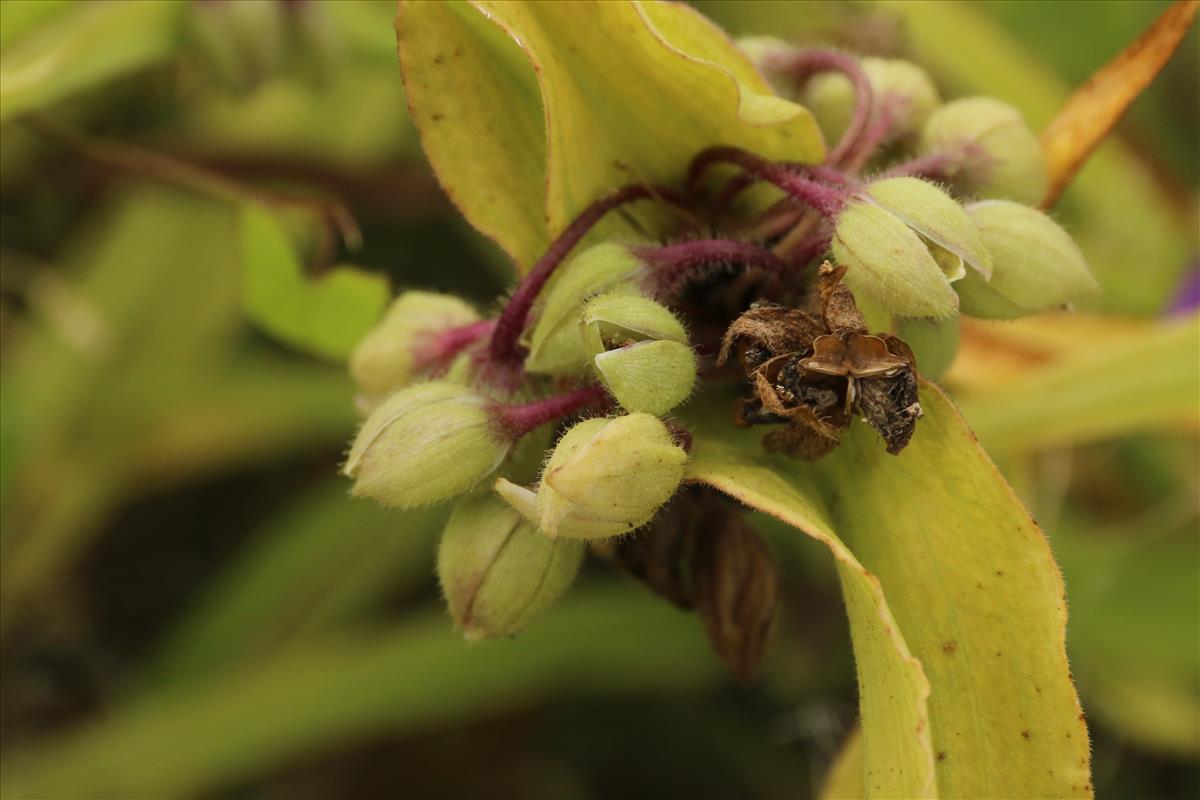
pixel 191 606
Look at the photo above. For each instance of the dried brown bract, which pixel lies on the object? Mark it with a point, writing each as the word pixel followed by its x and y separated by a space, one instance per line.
pixel 702 554
pixel 735 589
pixel 813 376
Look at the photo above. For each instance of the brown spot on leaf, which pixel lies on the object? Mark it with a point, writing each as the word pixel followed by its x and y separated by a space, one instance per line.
pixel 941 756
pixel 1024 734
pixel 950 647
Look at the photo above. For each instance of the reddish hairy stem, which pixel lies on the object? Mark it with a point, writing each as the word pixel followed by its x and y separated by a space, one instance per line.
pixel 512 319
pixel 517 420
pixel 806 63
pixel 827 200
pixel 870 140
pixel 445 345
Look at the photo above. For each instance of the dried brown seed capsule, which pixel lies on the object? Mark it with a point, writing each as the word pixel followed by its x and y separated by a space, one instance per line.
pixel 830 370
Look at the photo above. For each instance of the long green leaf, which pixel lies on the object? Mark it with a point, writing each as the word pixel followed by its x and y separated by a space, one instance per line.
pixel 975 595
pixel 333 690
pixel 1145 381
pixel 892 685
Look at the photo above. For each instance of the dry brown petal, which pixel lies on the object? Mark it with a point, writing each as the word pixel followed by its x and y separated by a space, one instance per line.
pixel 830 372
pixel 857 355
pixel 799 441
pixel 838 309
pixel 658 555
pixel 735 589
pixel 890 406
pixel 767 330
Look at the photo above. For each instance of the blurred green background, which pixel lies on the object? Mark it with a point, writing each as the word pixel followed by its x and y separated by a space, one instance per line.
pixel 190 606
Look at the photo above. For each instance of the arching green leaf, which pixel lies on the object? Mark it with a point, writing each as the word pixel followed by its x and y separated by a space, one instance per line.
pixel 630 92
pixel 893 688
pixel 939 560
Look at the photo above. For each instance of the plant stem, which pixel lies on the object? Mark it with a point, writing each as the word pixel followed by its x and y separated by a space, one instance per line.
pixel 827 200
pixel 511 322
pixel 514 421
pixel 800 66
pixel 445 345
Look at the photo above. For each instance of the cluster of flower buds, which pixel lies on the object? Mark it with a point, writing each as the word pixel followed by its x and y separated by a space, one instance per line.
pixel 923 206
pixel 440 426
pixel 927 204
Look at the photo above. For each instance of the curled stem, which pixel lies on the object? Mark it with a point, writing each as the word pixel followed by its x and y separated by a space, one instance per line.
pixel 803 64
pixel 514 421
pixel 671 263
pixel 512 319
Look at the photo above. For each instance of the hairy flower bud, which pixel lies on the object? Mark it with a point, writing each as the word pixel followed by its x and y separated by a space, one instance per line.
pixel 1036 263
pixel 555 347
pixel 640 352
pixel 424 444
pixel 497 572
pixel 396 350
pixel 605 477
pixel 900 87
pixel 890 264
pixel 993 151
pixel 939 219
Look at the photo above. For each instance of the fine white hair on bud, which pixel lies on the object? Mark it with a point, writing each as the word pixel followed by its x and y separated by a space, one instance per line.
pixel 1036 264
pixel 606 477
pixel 497 572
pixel 640 352
pixel 993 152
pixel 938 218
pixel 424 444
pixel 889 263
pixel 391 355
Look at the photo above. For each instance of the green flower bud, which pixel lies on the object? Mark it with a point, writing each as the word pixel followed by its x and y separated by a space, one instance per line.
pixel 611 320
pixel 424 444
pixel 555 347
pixel 999 155
pixel 901 87
pixel 1036 264
pixel 605 477
pixel 889 264
pixel 653 377
pixel 937 217
pixel 640 352
pixel 497 572
pixel 934 342
pixel 389 356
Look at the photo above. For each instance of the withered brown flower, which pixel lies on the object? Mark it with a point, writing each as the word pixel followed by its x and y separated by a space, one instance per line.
pixel 702 554
pixel 813 375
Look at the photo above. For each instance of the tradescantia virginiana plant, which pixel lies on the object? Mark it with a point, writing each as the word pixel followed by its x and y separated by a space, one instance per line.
pixel 714 243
